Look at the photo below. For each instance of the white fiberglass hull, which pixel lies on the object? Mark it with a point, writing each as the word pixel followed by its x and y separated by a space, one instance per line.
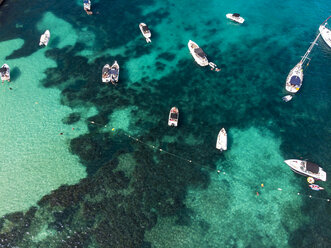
pixel 298 167
pixel 235 19
pixel 326 34
pixel 222 140
pixel 297 71
pixel 201 61
pixel 44 39
pixel 6 75
pixel 173 122
pixel 115 72
pixel 87 6
pixel 146 34
pixel 105 74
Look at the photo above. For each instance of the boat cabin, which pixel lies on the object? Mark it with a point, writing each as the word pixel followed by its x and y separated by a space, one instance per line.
pixel 295 81
pixel 174 116
pixel 236 15
pixel 145 29
pixel 200 52
pixel 313 168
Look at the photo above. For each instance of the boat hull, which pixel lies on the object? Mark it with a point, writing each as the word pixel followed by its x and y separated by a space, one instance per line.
pixel 173 122
pixel 114 77
pixel 297 71
pixel 105 75
pixel 5 76
pixel 296 165
pixel 191 46
pixel 44 38
pixel 222 140
pixel 147 34
pixel 235 19
pixel 326 34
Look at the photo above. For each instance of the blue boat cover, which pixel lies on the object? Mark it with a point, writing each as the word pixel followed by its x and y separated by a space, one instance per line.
pixel 85 1
pixel 295 80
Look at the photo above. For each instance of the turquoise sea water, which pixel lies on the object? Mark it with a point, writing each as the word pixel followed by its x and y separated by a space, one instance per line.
pixel 71 175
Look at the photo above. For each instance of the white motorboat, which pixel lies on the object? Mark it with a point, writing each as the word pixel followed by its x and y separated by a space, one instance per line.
pixel 199 56
pixel 307 169
pixel 287 98
pixel 44 38
pixel 114 73
pixel 106 74
pixel 326 34
pixel 222 140
pixel 146 32
pixel 173 117
pixel 5 72
pixel 294 79
pixel 235 17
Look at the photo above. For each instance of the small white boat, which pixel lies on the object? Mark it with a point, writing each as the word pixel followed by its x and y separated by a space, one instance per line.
pixel 106 74
pixel 294 79
pixel 44 38
pixel 222 140
pixel 146 32
pixel 235 17
pixel 326 34
pixel 199 56
pixel 87 5
pixel 173 117
pixel 114 73
pixel 5 72
pixel 307 169
pixel 287 98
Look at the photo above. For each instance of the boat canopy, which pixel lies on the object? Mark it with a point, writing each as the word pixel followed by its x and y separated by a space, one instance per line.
pixel 295 80
pixel 173 115
pixel 145 28
pixel 113 71
pixel 314 168
pixel 200 52
pixel 86 1
pixel 236 15
pixel 3 69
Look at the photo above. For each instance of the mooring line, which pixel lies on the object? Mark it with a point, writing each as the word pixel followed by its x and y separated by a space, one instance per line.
pixel 190 161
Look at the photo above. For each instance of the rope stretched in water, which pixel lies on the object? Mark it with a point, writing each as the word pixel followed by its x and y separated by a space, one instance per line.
pixel 190 161
pixel 151 146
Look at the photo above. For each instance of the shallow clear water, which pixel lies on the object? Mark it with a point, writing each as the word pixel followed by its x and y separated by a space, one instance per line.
pixel 80 163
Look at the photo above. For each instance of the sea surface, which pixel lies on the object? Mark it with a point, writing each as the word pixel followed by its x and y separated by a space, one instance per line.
pixel 86 164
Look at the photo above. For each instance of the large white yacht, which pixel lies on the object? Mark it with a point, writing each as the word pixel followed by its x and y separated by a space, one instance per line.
pixel 222 140
pixel 5 72
pixel 307 169
pixel 326 34
pixel 197 53
pixel 145 31
pixel 44 38
pixel 294 79
pixel 235 17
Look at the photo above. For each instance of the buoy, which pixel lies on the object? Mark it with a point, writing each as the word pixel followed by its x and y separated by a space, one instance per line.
pixel 279 189
pixel 257 193
pixel 310 180
pixel 262 185
pixel 113 129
